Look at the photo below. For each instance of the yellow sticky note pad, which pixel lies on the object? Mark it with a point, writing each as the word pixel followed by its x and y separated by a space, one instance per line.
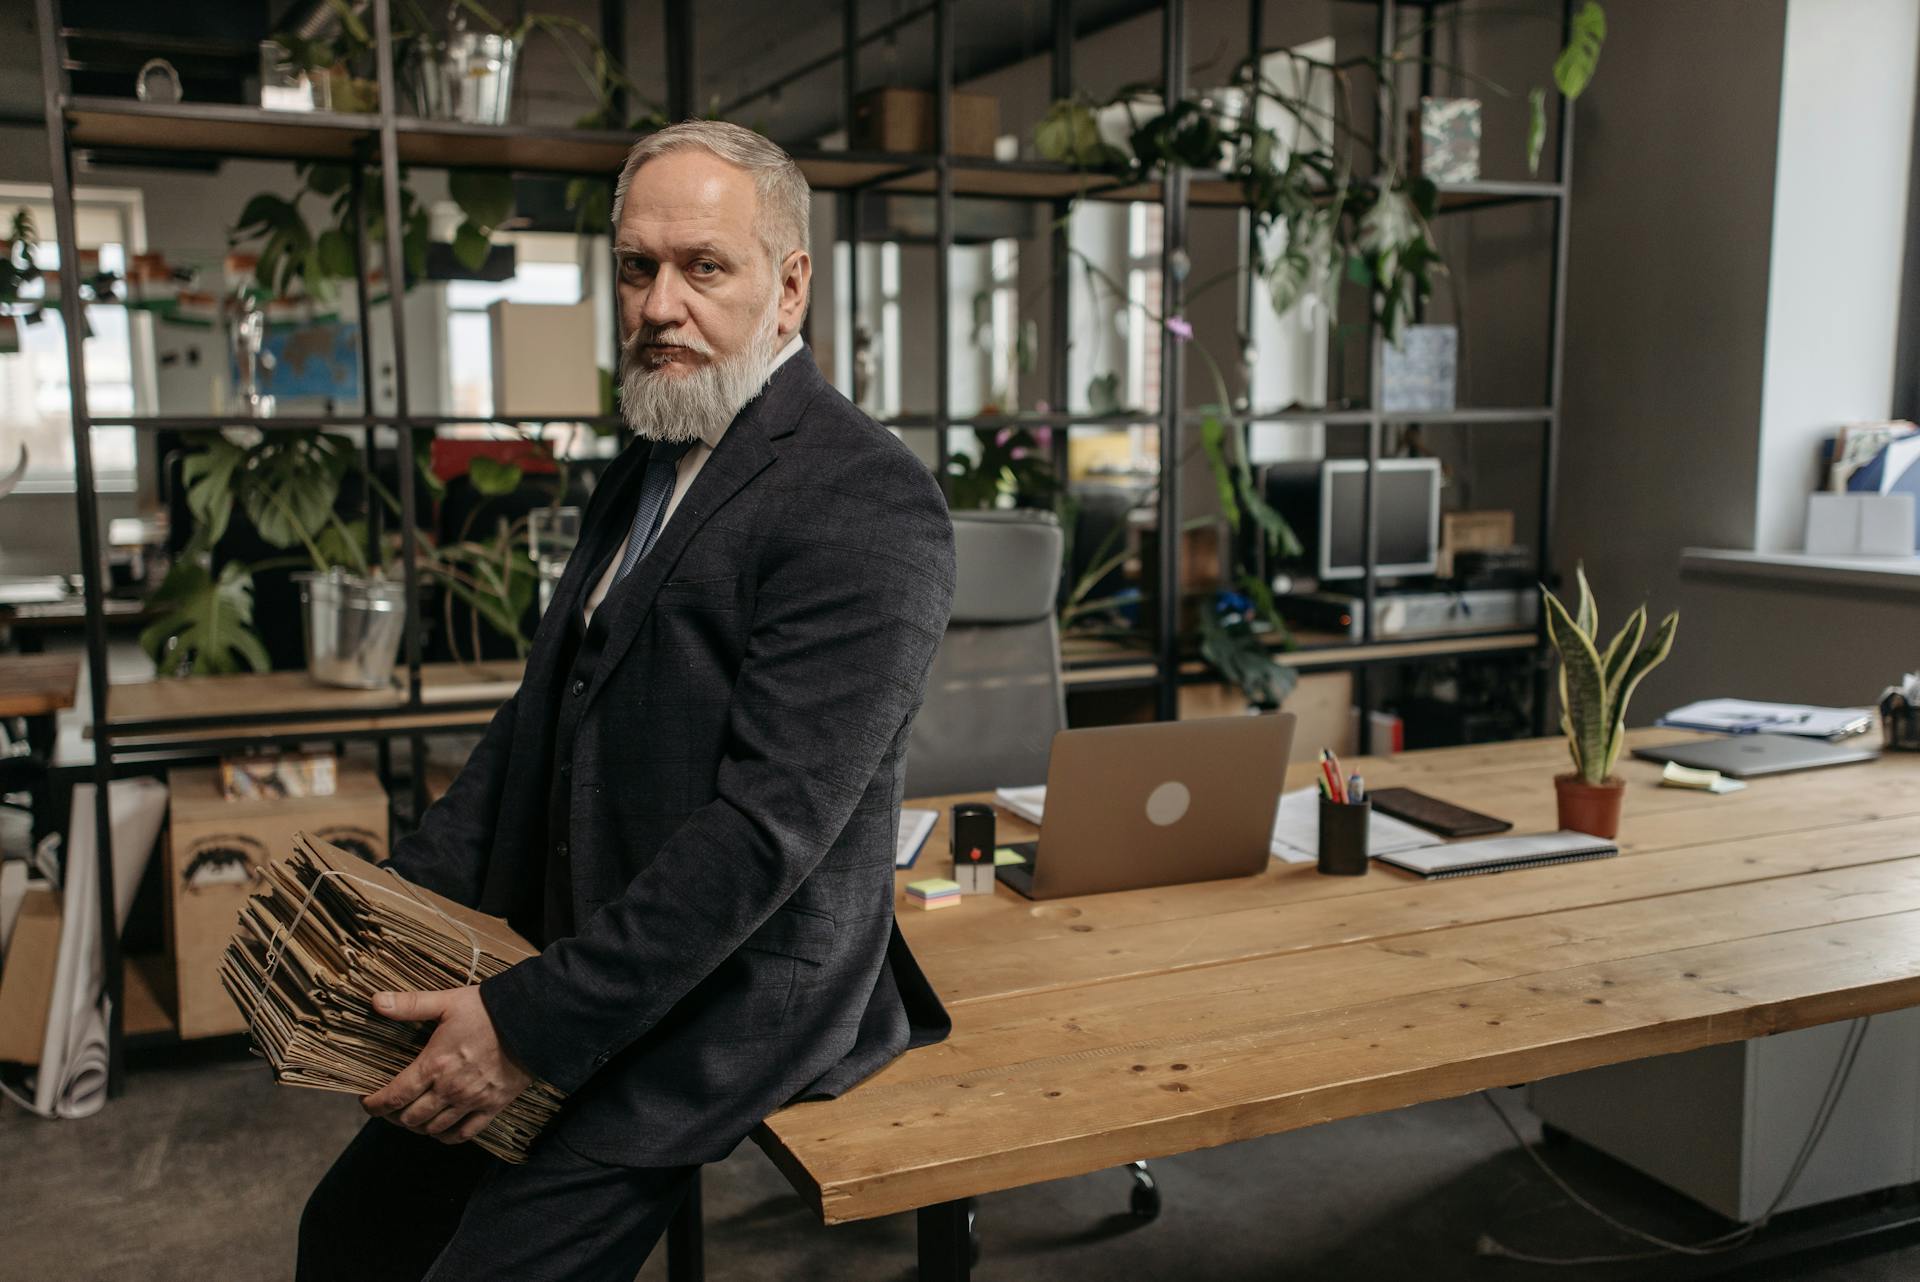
pixel 1004 856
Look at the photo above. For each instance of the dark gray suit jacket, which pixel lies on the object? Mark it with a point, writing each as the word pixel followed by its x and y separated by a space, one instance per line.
pixel 732 789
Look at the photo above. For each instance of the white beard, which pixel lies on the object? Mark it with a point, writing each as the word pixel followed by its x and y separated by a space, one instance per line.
pixel 700 403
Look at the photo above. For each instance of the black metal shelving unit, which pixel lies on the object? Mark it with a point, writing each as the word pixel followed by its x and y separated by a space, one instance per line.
pixel 387 138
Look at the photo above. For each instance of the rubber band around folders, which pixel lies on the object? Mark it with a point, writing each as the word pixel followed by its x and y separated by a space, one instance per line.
pixel 283 934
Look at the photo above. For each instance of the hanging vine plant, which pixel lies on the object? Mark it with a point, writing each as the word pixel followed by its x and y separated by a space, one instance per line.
pixel 1321 220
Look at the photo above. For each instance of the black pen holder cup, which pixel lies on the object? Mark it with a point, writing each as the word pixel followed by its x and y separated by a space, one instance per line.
pixel 1900 724
pixel 1343 837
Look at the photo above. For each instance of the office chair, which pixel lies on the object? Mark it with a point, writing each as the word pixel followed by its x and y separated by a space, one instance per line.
pixel 994 699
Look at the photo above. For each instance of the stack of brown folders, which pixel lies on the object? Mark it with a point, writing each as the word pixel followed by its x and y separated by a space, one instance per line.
pixel 326 932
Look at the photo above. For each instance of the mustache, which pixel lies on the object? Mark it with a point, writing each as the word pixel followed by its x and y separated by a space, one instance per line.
pixel 655 336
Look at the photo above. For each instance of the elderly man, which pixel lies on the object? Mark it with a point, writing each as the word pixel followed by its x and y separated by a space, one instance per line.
pixel 691 802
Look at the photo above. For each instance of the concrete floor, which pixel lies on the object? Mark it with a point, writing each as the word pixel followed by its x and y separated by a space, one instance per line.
pixel 200 1170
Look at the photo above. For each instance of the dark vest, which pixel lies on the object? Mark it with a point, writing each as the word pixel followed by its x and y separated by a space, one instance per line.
pixel 581 650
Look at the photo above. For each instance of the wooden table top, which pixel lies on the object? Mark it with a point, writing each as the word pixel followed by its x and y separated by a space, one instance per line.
pixel 252 694
pixel 36 685
pixel 1094 1031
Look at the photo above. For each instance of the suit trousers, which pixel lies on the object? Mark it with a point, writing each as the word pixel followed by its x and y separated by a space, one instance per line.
pixel 399 1206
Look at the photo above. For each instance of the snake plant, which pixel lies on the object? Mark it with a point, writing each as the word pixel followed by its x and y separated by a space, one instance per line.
pixel 1596 684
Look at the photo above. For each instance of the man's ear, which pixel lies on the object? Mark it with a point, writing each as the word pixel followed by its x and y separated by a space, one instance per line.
pixel 796 284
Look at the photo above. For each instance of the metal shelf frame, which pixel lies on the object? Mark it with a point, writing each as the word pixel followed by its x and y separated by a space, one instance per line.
pixel 388 138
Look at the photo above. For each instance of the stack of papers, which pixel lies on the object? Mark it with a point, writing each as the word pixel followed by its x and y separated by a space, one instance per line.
pixel 1296 830
pixel 1296 826
pixel 1745 716
pixel 1029 802
pixel 330 930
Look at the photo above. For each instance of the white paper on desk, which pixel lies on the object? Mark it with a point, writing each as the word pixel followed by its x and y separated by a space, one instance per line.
pixel 915 827
pixel 1028 802
pixel 1746 716
pixel 1296 830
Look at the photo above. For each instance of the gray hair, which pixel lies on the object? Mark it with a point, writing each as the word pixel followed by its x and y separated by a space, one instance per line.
pixel 784 197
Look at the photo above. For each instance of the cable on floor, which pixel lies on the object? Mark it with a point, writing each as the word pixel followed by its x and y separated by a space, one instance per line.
pixel 1731 1240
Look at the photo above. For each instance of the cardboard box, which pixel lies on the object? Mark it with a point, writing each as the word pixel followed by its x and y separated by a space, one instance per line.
pixel 216 851
pixel 543 358
pixel 1460 531
pixel 26 984
pixel 894 119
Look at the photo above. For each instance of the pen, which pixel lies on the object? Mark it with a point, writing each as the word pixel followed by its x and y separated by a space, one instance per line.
pixel 1356 790
pixel 1332 780
pixel 1338 774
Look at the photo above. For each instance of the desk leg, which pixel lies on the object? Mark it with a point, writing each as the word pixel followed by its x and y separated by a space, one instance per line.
pixel 686 1238
pixel 946 1252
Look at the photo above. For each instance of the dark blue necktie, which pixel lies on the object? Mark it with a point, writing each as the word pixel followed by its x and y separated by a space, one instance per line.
pixel 656 487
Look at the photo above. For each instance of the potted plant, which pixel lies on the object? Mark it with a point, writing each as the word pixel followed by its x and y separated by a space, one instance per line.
pixel 462 75
pixel 287 484
pixel 1595 686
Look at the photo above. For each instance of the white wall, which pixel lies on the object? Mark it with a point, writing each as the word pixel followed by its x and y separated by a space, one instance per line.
pixel 1839 234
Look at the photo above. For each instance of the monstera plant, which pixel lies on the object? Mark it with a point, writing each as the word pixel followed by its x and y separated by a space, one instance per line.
pixel 287 485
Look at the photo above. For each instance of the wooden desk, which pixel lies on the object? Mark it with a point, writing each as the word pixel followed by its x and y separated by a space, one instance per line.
pixel 1095 1031
pixel 37 685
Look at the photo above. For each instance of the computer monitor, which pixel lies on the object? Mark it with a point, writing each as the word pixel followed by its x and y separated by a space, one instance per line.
pixel 1325 503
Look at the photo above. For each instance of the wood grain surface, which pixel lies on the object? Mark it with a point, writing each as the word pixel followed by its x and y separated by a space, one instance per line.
pixel 1094 1031
pixel 459 695
pixel 35 685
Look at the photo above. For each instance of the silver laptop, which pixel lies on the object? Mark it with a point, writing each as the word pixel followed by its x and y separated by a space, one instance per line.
pixel 1746 755
pixel 1156 805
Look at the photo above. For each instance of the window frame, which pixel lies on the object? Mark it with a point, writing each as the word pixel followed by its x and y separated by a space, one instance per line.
pixel 128 205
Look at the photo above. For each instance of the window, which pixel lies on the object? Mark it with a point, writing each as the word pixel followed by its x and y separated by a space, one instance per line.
pixel 1290 366
pixel 869 366
pixel 1113 353
pixel 35 397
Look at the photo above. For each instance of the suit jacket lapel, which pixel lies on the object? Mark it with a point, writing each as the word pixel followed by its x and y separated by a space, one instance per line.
pixel 746 449
pixel 600 536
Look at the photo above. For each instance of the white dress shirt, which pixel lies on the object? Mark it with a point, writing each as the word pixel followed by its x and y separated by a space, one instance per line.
pixel 689 467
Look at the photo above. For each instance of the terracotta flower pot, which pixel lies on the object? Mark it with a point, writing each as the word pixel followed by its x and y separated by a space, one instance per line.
pixel 1588 807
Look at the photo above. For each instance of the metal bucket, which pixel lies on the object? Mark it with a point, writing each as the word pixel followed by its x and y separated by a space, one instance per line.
pixel 353 628
pixel 465 76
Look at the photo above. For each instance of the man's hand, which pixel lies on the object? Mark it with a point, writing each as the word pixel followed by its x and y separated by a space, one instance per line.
pixel 461 1080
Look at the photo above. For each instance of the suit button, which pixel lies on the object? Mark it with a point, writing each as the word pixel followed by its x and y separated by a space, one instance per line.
pixel 579 685
pixel 566 770
pixel 560 849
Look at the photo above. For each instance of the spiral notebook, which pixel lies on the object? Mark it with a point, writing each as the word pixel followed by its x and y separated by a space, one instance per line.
pixel 1500 854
